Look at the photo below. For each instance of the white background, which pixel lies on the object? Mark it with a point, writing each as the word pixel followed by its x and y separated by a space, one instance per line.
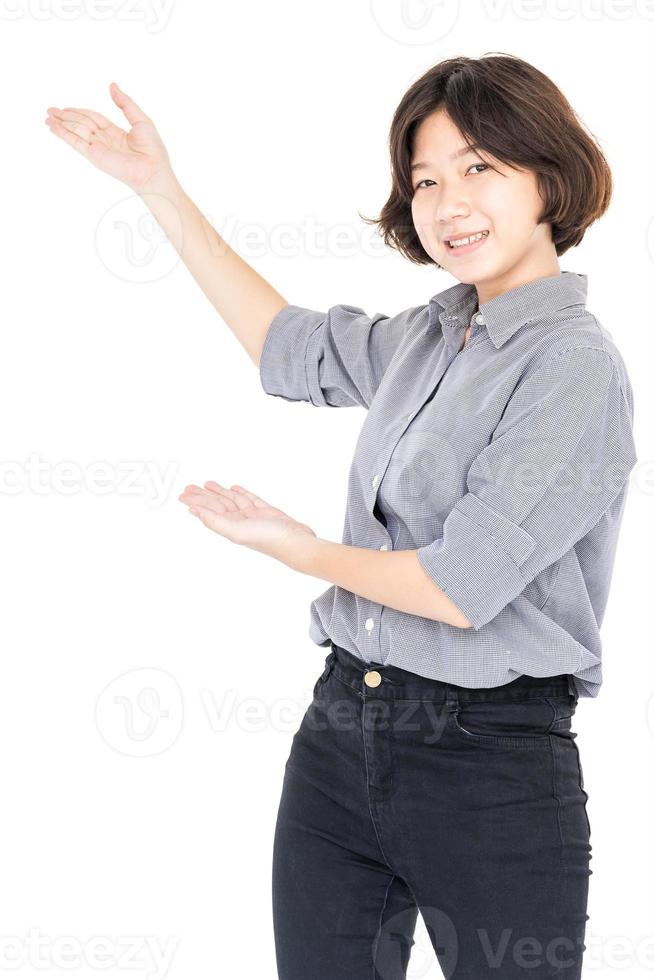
pixel 154 673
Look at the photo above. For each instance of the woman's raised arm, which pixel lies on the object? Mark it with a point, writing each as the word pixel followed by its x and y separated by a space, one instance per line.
pixel 137 157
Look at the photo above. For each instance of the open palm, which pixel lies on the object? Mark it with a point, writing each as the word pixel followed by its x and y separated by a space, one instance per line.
pixel 243 518
pixel 137 157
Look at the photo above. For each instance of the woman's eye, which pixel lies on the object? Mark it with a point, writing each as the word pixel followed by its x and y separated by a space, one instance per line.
pixel 484 165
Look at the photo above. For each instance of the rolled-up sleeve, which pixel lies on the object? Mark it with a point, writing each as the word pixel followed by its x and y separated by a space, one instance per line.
pixel 559 456
pixel 336 359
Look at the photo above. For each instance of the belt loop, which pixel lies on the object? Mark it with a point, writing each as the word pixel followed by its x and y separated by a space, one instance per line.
pixel 451 698
pixel 571 686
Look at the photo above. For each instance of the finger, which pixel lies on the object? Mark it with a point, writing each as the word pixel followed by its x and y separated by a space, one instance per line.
pixel 85 130
pixel 132 111
pixel 202 503
pixel 82 146
pixel 204 498
pixel 220 523
pixel 257 501
pixel 230 496
pixel 78 115
pixel 94 135
pixel 96 117
pixel 104 129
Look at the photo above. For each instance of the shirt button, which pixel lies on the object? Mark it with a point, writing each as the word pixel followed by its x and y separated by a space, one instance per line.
pixel 383 547
pixel 372 678
pixel 369 624
pixel 375 479
pixel 480 318
pixel 410 416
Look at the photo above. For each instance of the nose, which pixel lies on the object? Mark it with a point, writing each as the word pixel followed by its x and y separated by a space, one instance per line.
pixel 446 217
pixel 450 207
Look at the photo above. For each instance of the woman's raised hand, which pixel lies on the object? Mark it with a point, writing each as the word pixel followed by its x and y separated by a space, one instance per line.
pixel 138 157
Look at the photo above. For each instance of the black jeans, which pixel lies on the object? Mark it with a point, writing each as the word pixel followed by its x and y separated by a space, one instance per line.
pixel 404 794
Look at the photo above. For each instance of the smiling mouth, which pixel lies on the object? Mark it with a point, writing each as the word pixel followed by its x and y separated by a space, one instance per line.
pixel 478 237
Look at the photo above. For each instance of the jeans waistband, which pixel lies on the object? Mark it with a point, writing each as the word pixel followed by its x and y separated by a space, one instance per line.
pixel 396 683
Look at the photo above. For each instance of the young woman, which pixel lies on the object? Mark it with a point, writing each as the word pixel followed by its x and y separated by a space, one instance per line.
pixel 436 769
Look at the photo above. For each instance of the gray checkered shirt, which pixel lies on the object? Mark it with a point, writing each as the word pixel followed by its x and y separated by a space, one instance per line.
pixel 505 464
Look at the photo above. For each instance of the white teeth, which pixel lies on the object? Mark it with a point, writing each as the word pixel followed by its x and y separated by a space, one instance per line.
pixel 467 241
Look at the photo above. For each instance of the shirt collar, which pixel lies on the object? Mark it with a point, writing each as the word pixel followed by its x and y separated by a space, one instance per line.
pixel 509 311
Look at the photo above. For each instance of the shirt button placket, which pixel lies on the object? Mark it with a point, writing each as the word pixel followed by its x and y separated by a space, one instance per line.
pixel 383 547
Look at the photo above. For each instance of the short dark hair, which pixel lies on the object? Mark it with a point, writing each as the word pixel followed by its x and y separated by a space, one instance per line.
pixel 513 111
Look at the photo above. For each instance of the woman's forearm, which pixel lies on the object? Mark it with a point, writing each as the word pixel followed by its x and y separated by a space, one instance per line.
pixel 391 578
pixel 244 299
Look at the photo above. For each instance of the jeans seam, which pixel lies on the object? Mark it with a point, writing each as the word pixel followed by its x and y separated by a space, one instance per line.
pixel 379 928
pixel 558 817
pixel 582 788
pixel 372 816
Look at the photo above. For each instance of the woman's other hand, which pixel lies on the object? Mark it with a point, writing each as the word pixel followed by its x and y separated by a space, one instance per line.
pixel 243 518
pixel 136 157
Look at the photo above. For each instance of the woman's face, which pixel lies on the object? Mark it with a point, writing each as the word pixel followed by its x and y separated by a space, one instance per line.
pixel 457 196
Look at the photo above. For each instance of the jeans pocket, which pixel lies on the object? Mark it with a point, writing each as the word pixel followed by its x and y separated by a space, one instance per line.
pixel 565 708
pixel 524 722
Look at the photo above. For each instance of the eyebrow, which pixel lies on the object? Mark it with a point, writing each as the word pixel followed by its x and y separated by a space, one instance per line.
pixel 462 152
